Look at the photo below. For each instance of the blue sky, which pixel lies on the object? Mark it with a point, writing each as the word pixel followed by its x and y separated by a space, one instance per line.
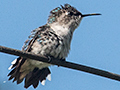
pixel 96 42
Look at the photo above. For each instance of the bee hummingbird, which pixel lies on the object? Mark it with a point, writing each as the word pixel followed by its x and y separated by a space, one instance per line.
pixel 51 40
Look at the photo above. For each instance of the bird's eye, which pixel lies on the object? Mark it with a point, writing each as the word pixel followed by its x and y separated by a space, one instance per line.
pixel 69 13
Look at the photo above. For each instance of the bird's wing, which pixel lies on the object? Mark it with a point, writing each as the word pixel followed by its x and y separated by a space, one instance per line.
pixel 20 71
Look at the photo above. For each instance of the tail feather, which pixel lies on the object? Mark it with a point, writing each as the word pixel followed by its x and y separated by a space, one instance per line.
pixel 35 76
pixel 35 84
pixel 31 77
pixel 15 72
pixel 16 61
pixel 11 72
pixel 19 81
pixel 45 74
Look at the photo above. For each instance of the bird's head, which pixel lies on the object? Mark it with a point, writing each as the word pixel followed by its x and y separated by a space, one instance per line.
pixel 66 16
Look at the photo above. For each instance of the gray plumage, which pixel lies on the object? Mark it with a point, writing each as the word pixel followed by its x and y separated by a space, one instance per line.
pixel 52 40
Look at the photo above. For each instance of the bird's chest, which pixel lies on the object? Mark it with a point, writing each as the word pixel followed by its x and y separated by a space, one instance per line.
pixel 56 47
pixel 54 42
pixel 59 50
pixel 50 44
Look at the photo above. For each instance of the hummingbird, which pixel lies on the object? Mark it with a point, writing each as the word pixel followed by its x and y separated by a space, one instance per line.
pixel 51 40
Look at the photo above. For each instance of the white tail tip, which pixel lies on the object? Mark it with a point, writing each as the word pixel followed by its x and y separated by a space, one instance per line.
pixel 14 61
pixel 43 82
pixel 10 67
pixel 49 77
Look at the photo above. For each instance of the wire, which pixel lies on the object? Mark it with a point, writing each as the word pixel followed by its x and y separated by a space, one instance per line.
pixel 60 63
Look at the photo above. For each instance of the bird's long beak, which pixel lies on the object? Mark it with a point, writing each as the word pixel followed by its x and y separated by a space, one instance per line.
pixel 91 14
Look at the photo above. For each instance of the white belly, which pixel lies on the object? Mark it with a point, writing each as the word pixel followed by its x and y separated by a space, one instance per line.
pixel 38 64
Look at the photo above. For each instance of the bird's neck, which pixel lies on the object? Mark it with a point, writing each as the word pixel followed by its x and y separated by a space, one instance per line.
pixel 61 30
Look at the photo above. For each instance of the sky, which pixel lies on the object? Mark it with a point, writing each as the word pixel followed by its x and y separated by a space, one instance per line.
pixel 95 43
